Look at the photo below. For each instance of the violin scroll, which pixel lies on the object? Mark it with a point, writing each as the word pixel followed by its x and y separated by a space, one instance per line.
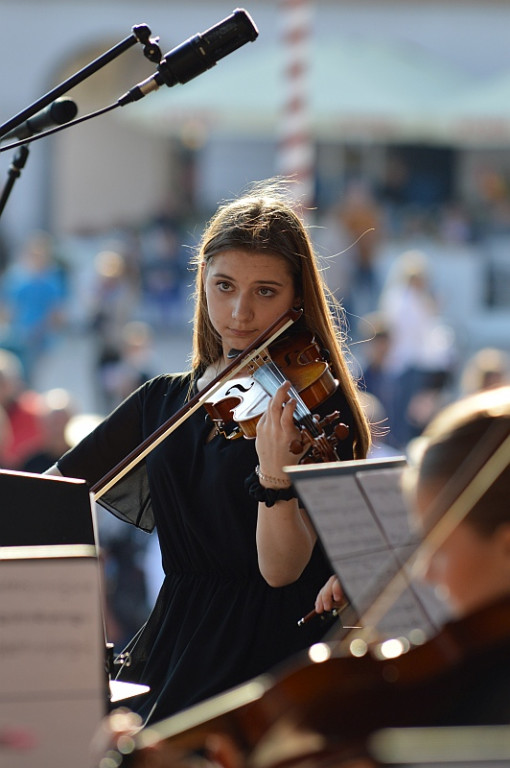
pixel 318 453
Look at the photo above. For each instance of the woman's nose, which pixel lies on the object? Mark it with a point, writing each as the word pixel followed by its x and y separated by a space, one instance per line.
pixel 241 308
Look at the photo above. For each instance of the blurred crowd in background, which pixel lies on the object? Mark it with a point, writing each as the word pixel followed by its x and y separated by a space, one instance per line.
pixel 134 284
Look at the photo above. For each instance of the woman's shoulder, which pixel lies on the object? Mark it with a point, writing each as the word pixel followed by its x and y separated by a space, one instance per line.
pixel 167 384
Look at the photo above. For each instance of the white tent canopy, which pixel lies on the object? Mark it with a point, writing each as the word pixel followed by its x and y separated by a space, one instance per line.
pixel 357 89
pixel 480 114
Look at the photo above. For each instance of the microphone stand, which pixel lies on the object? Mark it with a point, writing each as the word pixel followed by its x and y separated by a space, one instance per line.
pixel 141 34
pixel 179 66
pixel 13 174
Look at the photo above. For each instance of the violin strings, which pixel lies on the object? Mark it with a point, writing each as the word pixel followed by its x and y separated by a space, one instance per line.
pixel 269 374
pixel 270 377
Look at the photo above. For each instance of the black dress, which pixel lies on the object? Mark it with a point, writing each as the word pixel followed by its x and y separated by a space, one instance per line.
pixel 216 622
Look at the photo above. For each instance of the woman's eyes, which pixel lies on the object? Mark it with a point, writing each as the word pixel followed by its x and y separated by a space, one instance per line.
pixel 264 291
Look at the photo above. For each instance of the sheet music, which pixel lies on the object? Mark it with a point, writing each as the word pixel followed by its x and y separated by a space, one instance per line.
pixel 362 522
pixel 51 624
pixel 52 657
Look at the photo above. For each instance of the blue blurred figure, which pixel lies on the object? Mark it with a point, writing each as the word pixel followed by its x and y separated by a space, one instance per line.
pixel 32 295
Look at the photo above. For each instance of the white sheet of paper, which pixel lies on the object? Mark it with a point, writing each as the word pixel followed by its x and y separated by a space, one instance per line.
pixel 361 518
pixel 52 656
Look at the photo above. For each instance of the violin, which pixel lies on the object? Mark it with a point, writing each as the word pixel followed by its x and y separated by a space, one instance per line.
pixel 237 407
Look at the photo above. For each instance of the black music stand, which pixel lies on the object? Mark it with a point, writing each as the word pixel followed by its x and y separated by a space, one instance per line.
pixel 40 510
pixel 361 519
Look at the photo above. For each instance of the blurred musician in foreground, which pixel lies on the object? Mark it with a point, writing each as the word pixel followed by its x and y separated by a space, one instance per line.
pixel 466 558
pixel 461 488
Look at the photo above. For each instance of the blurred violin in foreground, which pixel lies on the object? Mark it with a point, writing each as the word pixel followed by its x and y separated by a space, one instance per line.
pixel 326 708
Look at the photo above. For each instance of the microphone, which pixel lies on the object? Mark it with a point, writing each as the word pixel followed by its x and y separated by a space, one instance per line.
pixel 58 112
pixel 197 54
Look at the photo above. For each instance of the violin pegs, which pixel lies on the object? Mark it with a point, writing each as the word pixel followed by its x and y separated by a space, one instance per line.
pixel 331 417
pixel 296 447
pixel 341 431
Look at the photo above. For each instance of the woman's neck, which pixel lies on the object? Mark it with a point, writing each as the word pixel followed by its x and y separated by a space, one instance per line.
pixel 211 372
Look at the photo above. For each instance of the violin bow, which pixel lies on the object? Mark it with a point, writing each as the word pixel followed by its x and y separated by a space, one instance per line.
pixel 262 341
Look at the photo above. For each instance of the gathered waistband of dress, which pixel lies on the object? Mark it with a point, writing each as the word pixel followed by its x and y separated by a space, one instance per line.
pixel 214 577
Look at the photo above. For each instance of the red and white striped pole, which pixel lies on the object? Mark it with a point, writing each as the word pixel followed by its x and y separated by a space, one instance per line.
pixel 295 148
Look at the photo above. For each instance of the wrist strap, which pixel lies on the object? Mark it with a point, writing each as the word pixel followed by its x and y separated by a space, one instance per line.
pixel 269 496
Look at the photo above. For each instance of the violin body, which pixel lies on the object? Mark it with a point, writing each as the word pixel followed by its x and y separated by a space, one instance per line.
pixel 238 406
pixel 301 361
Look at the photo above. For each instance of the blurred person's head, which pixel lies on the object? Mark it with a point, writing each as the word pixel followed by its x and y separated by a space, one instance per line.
pixel 130 367
pixel 375 331
pixel 136 342
pixel 410 270
pixel 80 425
pixel 361 217
pixel 58 407
pixel 38 251
pixel 487 368
pixel 110 267
pixel 467 559
pixel 413 269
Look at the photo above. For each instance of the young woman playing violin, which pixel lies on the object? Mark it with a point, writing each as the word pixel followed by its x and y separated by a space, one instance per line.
pixel 240 557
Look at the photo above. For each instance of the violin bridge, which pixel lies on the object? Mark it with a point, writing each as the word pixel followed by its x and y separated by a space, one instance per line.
pixel 263 358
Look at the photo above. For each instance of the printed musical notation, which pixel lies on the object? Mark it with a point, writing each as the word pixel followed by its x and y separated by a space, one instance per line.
pixel 52 655
pixel 361 518
pixel 50 622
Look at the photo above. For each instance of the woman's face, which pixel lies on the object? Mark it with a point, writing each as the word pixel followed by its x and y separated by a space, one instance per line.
pixel 468 570
pixel 246 292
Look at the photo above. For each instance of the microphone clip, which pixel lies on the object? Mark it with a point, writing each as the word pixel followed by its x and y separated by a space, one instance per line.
pixel 151 49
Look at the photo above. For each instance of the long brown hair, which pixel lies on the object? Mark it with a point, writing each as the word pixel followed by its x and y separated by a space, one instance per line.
pixel 263 220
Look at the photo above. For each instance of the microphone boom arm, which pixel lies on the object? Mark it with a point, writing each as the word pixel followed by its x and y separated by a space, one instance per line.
pixel 140 34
